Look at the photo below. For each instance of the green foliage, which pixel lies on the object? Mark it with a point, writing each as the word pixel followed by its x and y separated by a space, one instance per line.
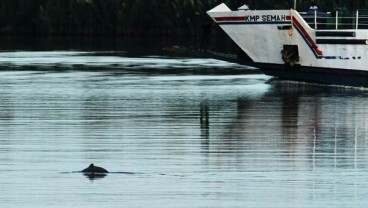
pixel 127 17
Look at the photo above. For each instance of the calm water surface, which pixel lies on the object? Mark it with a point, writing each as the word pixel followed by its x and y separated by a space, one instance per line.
pixel 191 132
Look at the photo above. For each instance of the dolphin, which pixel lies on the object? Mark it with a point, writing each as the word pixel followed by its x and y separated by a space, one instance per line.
pixel 94 169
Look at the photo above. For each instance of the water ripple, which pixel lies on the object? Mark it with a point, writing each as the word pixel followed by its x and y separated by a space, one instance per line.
pixel 193 140
pixel 78 60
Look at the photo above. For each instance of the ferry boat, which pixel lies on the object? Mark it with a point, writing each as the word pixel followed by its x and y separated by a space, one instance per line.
pixel 283 44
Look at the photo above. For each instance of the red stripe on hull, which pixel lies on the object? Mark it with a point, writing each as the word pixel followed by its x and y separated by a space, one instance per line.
pixel 306 35
pixel 222 19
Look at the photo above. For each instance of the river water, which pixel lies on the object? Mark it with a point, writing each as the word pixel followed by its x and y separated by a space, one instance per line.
pixel 173 132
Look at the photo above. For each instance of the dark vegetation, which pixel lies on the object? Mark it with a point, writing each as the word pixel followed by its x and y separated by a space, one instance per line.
pixel 127 17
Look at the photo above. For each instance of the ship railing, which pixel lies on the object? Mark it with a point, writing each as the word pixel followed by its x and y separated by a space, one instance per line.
pixel 332 20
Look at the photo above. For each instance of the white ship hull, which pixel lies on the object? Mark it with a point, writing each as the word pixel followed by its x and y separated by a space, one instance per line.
pixel 282 44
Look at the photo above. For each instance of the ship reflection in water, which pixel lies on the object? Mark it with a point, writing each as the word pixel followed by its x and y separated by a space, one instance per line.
pixel 198 135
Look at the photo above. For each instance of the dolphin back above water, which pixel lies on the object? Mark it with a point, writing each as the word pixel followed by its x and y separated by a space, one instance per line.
pixel 94 169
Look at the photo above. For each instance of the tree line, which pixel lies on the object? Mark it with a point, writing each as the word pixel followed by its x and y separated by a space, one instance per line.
pixel 128 17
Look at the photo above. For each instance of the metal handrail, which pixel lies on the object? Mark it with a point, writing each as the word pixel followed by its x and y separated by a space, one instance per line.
pixel 352 22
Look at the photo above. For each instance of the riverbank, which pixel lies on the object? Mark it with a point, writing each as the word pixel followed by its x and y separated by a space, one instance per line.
pixel 150 45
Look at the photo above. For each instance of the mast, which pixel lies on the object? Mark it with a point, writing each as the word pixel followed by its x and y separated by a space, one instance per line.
pixel 294 4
